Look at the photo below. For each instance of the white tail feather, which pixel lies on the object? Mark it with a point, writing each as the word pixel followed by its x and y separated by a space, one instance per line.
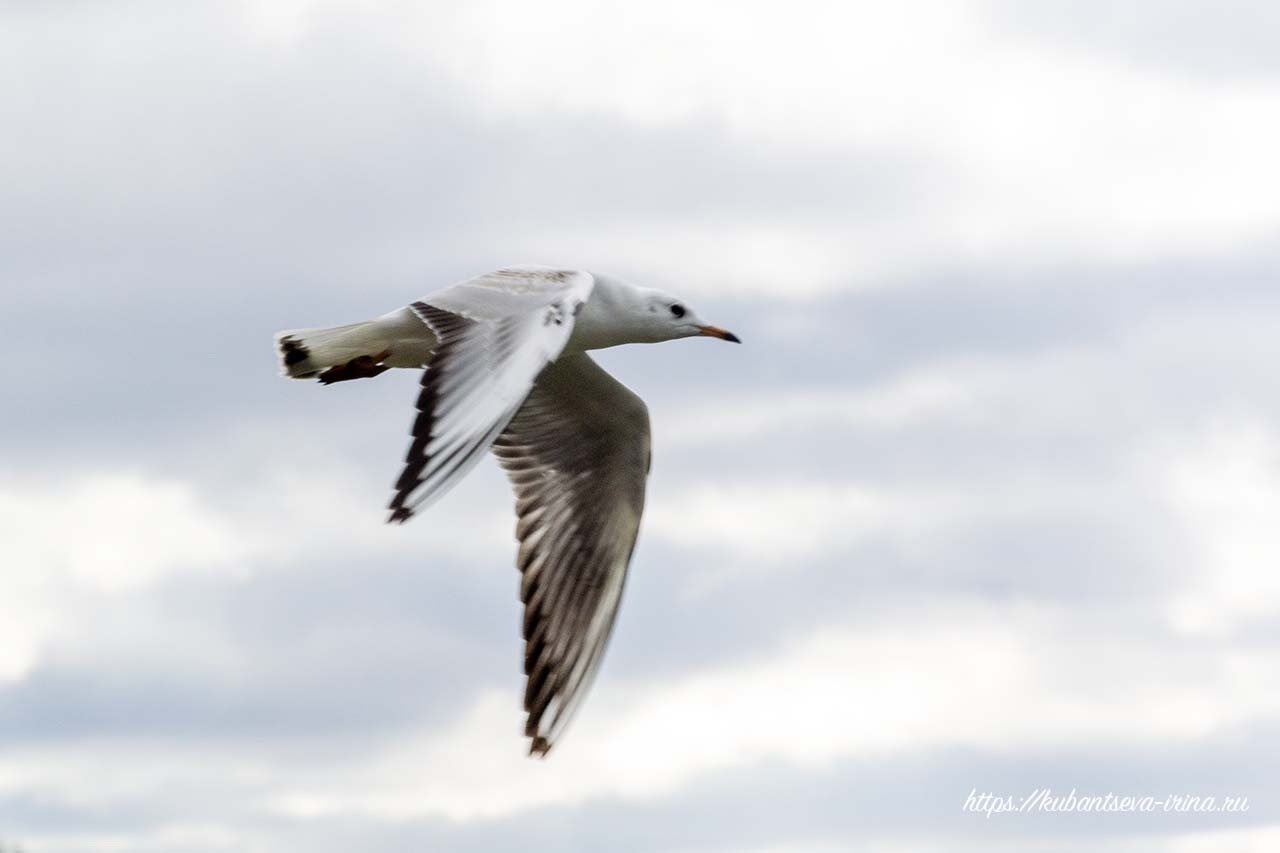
pixel 399 338
pixel 306 352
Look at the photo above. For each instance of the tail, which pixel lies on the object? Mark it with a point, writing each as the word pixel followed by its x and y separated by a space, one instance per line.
pixel 305 353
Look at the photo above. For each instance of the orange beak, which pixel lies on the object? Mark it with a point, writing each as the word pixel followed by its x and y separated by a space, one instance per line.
pixel 717 332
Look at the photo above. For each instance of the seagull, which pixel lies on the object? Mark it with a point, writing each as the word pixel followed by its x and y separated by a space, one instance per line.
pixel 505 368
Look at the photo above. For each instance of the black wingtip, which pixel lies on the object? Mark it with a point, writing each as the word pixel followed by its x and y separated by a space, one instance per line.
pixel 539 746
pixel 399 515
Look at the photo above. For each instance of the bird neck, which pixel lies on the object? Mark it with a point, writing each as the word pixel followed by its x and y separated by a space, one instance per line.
pixel 612 315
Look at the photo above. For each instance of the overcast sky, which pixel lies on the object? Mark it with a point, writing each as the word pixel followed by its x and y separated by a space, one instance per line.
pixel 990 497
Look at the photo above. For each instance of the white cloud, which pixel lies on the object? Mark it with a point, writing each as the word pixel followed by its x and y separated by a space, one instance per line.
pixel 73 542
pixel 1003 150
pixel 791 261
pixel 1002 678
pixel 1263 839
pixel 947 391
pixel 1246 840
pixel 1038 152
pixel 111 531
pixel 1225 487
pixel 107 533
pixel 771 522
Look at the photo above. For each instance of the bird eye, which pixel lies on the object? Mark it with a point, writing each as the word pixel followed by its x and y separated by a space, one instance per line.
pixel 677 309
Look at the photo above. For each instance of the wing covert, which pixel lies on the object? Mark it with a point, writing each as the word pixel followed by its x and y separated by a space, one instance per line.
pixel 494 334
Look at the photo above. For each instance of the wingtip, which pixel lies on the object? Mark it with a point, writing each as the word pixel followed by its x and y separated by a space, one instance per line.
pixel 539 746
pixel 399 515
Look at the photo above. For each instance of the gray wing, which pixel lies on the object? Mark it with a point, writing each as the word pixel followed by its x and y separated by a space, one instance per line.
pixel 577 454
pixel 494 335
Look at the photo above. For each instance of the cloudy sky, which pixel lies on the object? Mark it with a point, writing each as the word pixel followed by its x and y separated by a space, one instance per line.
pixel 989 499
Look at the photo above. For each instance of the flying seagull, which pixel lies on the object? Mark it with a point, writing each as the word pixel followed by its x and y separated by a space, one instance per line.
pixel 506 370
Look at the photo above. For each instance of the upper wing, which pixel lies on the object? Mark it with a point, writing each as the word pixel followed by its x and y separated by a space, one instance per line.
pixel 577 454
pixel 494 334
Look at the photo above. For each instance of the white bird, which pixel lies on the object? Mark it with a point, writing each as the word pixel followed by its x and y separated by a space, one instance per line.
pixel 507 370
